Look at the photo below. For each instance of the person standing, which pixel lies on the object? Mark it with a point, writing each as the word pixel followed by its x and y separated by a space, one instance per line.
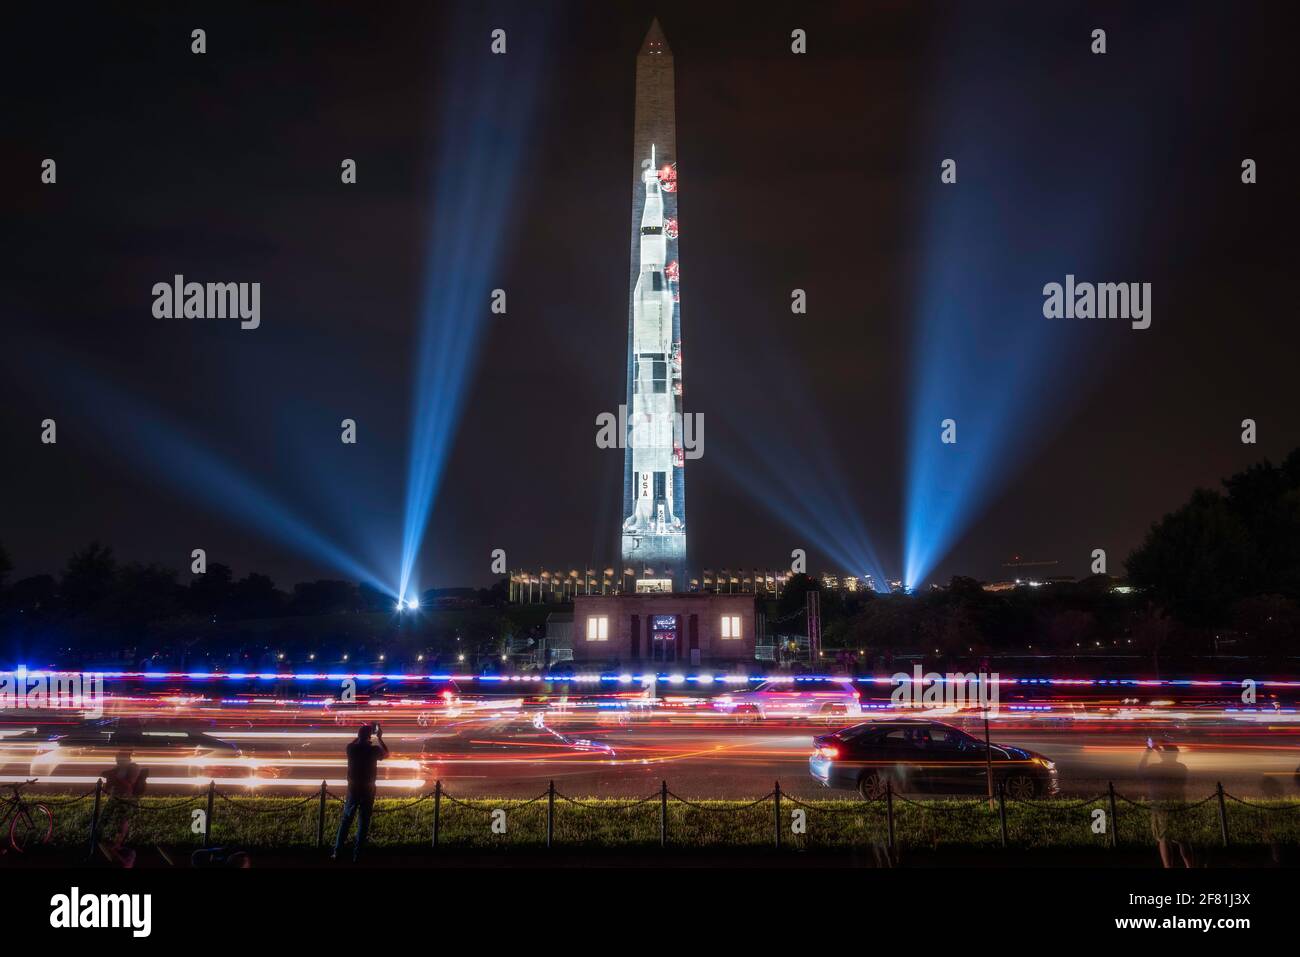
pixel 364 756
pixel 1166 784
pixel 124 783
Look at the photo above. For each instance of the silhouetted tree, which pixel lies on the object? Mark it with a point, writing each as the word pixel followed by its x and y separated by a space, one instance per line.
pixel 1269 622
pixel 87 579
pixel 1151 631
pixel 1196 561
pixel 498 596
pixel 1069 630
pixel 794 595
pixel 1202 559
pixel 1266 500
pixel 255 596
pixel 35 594
pixel 889 623
pixel 373 599
pixel 141 594
pixel 324 597
pixel 950 631
pixel 210 593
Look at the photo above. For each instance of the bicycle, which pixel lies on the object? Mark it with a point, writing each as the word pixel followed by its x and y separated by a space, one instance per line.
pixel 29 822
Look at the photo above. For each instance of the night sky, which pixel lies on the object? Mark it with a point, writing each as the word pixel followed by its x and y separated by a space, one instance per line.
pixel 818 172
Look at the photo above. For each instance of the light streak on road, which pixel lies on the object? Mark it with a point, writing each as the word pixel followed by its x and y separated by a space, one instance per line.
pixel 670 678
pixel 605 735
pixel 187 782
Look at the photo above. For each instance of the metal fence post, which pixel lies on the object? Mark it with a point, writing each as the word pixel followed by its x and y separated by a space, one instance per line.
pixel 437 810
pixel 94 818
pixel 889 810
pixel 663 813
pixel 320 819
pixel 1114 816
pixel 1002 810
pixel 207 821
pixel 1223 814
pixel 550 814
pixel 776 817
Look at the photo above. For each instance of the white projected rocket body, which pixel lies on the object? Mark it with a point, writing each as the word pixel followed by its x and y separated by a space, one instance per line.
pixel 655 426
pixel 654 508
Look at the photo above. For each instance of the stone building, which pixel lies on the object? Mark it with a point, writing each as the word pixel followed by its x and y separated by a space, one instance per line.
pixel 691 630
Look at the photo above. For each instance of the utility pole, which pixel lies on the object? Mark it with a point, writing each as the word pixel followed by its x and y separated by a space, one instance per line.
pixel 988 745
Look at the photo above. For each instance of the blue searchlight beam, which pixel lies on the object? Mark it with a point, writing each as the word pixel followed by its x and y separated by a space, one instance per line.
pixel 479 153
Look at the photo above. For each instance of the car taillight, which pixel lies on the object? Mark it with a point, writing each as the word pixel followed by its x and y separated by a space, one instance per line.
pixel 828 752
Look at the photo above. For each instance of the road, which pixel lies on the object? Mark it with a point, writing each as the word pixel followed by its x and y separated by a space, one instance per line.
pixel 513 749
pixel 745 761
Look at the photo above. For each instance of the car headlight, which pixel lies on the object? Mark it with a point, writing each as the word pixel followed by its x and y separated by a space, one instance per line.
pixel 1044 763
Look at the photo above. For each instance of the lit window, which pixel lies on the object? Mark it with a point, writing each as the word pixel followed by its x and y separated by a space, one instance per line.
pixel 730 626
pixel 598 628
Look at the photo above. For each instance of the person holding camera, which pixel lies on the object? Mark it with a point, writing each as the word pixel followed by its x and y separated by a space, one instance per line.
pixel 364 756
pixel 1166 783
pixel 124 784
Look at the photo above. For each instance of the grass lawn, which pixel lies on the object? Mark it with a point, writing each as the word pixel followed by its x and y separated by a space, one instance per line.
pixel 292 823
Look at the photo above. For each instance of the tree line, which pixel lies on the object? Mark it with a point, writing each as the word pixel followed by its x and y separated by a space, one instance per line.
pixel 1218 575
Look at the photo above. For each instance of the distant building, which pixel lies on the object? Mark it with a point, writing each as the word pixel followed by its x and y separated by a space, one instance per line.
pixel 1001 586
pixel 649 630
pixel 1028 583
pixel 540 586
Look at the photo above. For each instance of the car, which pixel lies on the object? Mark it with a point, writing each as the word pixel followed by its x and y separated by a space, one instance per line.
pixel 517 739
pixel 919 755
pixel 171 747
pixel 829 699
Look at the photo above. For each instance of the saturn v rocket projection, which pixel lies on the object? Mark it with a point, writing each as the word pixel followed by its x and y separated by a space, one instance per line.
pixel 654 491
